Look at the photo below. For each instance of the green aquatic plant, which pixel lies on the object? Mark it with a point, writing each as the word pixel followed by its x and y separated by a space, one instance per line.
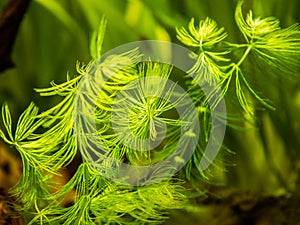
pixel 277 47
pixel 133 110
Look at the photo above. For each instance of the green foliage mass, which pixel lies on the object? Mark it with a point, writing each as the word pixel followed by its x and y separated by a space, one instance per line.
pixel 48 141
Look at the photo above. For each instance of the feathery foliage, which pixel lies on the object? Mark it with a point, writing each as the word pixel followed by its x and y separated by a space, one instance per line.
pixel 132 110
pixel 278 48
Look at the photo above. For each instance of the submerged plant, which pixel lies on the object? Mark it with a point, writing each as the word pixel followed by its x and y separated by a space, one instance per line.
pixel 130 108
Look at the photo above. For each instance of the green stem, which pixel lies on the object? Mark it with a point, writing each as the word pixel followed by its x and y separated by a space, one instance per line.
pixel 244 56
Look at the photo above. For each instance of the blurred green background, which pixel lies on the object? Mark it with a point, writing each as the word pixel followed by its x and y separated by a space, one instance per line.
pixel 55 34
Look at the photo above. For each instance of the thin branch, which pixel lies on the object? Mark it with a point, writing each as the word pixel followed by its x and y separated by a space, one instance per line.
pixel 9 26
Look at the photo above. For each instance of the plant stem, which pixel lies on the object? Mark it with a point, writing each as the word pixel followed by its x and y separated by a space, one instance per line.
pixel 244 56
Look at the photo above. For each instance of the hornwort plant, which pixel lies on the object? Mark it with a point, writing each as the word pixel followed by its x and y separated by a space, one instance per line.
pixel 132 109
